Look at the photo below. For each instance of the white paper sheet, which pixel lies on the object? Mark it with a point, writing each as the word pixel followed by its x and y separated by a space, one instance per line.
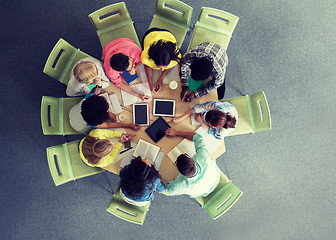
pixel 115 103
pixel 173 75
pixel 129 99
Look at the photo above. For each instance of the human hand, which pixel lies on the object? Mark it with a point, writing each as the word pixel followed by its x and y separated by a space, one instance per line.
pixel 151 86
pixel 96 91
pixel 134 126
pixel 125 137
pixel 143 97
pixel 171 132
pixel 158 87
pixel 190 96
pixel 112 116
pixel 97 81
pixel 132 72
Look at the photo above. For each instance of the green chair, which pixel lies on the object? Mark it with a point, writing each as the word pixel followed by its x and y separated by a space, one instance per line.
pixel 55 115
pixel 121 209
pixel 61 60
pixel 253 113
pixel 214 26
pixel 174 16
pixel 65 164
pixel 113 22
pixel 221 199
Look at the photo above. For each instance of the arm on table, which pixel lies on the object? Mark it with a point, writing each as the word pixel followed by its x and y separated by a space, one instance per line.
pixel 132 126
pixel 183 116
pixel 173 132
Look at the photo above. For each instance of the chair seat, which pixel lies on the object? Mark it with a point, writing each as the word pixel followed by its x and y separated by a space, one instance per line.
pixel 179 31
pixel 126 31
pixel 244 120
pixel 202 35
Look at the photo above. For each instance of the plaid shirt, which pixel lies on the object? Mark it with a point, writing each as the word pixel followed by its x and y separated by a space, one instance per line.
pixel 219 58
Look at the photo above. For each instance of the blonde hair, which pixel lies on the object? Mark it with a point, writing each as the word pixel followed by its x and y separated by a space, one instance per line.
pixel 85 72
pixel 95 149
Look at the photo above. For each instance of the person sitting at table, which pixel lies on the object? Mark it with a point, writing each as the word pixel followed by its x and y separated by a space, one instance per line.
pixel 198 175
pixel 219 118
pixel 160 52
pixel 203 70
pixel 139 180
pixel 86 75
pixel 120 55
pixel 97 150
pixel 92 112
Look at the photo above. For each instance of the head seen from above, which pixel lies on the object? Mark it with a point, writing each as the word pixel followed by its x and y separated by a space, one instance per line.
pixel 162 52
pixel 140 175
pixel 201 69
pixel 216 119
pixel 186 165
pixel 94 148
pixel 95 110
pixel 121 62
pixel 86 72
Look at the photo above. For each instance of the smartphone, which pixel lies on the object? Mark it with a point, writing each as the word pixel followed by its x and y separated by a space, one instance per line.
pixel 127 144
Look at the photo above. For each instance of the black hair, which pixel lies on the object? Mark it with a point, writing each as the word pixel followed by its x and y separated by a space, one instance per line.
pixel 139 177
pixel 217 118
pixel 201 69
pixel 162 52
pixel 94 110
pixel 185 165
pixel 119 62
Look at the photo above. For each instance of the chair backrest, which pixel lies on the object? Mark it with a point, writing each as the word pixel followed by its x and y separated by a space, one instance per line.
pixel 214 26
pixel 61 60
pixel 55 115
pixel 218 20
pixel 253 113
pixel 119 208
pixel 259 112
pixel 113 22
pixel 222 200
pixel 66 165
pixel 175 11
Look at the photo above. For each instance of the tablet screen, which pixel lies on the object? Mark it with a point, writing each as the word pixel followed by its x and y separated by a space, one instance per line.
pixel 164 107
pixel 140 114
pixel 157 129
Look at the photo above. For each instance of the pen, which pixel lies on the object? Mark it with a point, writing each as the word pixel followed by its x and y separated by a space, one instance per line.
pixel 125 150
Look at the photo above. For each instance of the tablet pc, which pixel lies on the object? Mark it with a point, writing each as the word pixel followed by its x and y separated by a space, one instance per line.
pixel 157 130
pixel 141 113
pixel 164 107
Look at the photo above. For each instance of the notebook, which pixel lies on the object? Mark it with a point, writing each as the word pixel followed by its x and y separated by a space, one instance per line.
pixel 145 150
pixel 129 78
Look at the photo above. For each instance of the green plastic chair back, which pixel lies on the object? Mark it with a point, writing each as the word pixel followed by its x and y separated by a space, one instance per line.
pixel 65 164
pixel 221 199
pixel 121 209
pixel 253 113
pixel 55 115
pixel 174 16
pixel 61 60
pixel 214 26
pixel 113 22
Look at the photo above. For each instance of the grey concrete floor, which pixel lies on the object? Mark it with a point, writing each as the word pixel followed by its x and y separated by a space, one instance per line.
pixel 286 48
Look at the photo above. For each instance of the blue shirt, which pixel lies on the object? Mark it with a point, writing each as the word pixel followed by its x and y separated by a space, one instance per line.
pixel 206 178
pixel 148 194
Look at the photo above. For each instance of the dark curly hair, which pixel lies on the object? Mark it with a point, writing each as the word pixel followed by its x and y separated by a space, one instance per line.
pixel 162 52
pixel 186 165
pixel 119 62
pixel 139 177
pixel 217 118
pixel 201 69
pixel 94 110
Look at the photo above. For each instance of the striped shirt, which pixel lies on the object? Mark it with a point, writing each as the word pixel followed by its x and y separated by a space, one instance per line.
pixel 219 58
